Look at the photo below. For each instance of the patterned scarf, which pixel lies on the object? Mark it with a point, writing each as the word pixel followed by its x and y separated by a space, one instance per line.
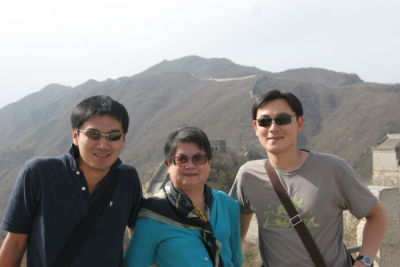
pixel 177 206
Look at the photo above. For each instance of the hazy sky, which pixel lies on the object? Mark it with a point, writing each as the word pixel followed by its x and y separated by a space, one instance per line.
pixel 69 42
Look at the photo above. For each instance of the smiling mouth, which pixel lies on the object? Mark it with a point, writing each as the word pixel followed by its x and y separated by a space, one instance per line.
pixel 274 137
pixel 102 155
pixel 190 174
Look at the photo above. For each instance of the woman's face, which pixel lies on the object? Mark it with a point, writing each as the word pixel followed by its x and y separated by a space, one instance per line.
pixel 189 174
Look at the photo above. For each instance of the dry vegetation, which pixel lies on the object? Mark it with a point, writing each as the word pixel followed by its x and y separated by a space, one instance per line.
pixel 224 169
pixel 251 256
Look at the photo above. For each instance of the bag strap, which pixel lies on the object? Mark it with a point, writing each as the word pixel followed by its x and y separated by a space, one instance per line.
pixel 295 219
pixel 84 227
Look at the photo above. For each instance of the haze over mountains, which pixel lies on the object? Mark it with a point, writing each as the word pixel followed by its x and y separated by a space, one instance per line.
pixel 344 115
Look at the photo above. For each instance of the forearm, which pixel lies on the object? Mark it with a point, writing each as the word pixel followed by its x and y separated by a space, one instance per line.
pixel 12 250
pixel 373 233
pixel 129 232
pixel 245 220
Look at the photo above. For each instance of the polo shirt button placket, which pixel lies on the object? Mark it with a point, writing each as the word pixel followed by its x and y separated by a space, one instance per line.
pixel 83 188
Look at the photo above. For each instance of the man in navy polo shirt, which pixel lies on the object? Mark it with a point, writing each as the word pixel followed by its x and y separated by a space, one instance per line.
pixel 51 195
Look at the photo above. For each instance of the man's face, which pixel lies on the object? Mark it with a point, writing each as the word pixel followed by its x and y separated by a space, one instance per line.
pixel 278 139
pixel 97 155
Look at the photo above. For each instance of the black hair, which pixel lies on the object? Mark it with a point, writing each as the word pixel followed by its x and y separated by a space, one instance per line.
pixel 99 105
pixel 186 134
pixel 269 96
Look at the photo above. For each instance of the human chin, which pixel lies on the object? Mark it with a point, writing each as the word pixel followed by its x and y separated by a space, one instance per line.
pixel 188 180
pixel 273 147
pixel 100 167
pixel 103 161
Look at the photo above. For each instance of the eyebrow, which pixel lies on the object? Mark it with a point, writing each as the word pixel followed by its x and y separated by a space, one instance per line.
pixel 179 154
pixel 280 114
pixel 112 131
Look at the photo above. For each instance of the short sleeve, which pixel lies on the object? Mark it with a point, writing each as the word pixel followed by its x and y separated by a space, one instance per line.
pixel 136 200
pixel 354 194
pixel 23 203
pixel 238 191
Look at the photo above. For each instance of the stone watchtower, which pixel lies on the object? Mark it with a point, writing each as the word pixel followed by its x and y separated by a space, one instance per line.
pixel 386 161
pixel 218 146
pixel 385 185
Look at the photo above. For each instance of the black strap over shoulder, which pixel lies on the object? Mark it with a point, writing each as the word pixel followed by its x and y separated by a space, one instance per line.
pixel 295 219
pixel 86 224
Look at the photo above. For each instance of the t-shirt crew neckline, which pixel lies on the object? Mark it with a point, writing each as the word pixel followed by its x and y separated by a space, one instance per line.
pixel 296 171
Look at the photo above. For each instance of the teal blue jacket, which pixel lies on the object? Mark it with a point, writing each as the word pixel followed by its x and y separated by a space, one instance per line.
pixel 170 245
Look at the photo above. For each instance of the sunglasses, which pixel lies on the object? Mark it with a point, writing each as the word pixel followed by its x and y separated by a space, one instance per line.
pixel 197 159
pixel 96 135
pixel 281 119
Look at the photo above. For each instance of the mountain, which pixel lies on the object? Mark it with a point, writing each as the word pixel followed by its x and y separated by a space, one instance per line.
pixel 344 115
pixel 203 68
pixel 321 76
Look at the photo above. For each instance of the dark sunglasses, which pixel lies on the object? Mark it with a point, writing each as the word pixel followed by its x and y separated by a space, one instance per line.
pixel 197 159
pixel 95 134
pixel 281 119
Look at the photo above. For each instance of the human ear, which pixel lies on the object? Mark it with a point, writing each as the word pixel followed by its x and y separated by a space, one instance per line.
pixel 255 126
pixel 75 135
pixel 300 124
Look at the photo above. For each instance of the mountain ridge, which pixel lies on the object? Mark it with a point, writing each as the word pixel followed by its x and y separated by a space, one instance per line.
pixel 203 68
pixel 344 115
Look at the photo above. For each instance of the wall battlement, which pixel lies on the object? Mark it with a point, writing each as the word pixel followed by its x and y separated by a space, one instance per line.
pixel 386 187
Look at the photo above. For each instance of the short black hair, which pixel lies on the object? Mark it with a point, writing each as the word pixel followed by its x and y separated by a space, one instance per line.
pixel 186 134
pixel 99 105
pixel 269 96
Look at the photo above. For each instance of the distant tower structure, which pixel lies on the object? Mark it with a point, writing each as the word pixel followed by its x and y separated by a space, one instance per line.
pixel 218 146
pixel 386 161
pixel 386 185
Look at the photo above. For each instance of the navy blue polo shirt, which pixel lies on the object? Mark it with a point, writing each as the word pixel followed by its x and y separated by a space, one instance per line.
pixel 48 200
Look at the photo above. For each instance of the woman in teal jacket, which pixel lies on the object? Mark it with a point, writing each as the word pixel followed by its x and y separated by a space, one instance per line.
pixel 187 223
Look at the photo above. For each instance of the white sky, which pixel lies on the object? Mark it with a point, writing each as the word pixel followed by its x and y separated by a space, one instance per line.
pixel 69 42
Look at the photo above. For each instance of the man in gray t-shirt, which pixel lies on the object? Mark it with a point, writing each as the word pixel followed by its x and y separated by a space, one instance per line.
pixel 321 187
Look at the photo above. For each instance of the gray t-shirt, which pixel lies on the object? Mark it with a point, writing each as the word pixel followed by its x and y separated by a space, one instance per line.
pixel 320 190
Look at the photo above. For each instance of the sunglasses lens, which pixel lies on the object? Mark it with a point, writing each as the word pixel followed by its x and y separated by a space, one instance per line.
pixel 93 134
pixel 264 122
pixel 199 159
pixel 114 136
pixel 181 160
pixel 283 120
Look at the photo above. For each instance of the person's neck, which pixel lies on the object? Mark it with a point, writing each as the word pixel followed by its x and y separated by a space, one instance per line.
pixel 288 161
pixel 196 195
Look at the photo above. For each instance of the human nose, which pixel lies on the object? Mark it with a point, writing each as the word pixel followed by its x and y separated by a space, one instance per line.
pixel 103 141
pixel 190 164
pixel 273 125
